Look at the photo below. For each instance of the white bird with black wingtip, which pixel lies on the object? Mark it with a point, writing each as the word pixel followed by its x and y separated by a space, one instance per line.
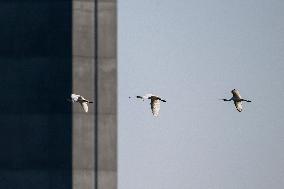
pixel 155 102
pixel 237 100
pixel 81 100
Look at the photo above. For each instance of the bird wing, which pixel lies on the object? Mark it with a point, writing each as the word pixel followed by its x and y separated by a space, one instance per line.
pixel 75 97
pixel 81 98
pixel 155 106
pixel 239 105
pixel 236 94
pixel 84 106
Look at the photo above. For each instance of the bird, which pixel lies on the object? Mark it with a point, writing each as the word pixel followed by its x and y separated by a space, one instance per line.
pixel 81 100
pixel 237 99
pixel 155 102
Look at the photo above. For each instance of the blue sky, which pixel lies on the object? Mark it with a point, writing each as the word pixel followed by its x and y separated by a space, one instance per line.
pixel 192 53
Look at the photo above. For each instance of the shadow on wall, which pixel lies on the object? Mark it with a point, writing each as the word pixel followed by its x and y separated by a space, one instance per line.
pixel 35 79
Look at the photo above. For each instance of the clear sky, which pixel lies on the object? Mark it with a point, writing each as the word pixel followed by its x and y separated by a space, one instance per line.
pixel 192 53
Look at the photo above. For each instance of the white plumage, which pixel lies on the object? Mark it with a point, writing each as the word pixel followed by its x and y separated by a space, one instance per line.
pixel 237 100
pixel 155 102
pixel 155 107
pixel 81 100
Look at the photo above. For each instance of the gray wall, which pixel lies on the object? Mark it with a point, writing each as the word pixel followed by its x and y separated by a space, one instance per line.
pixel 107 94
pixel 35 79
pixel 83 83
pixel 95 77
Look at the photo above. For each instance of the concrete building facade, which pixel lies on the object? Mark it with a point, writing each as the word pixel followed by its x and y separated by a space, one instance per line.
pixel 95 73
pixel 48 50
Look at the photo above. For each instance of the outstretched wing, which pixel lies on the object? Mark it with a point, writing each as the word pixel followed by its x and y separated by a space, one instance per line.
pixel 84 106
pixel 155 106
pixel 236 94
pixel 239 105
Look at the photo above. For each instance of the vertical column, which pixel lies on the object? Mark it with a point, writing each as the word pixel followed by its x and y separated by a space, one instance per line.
pixel 107 94
pixel 83 147
pixel 95 133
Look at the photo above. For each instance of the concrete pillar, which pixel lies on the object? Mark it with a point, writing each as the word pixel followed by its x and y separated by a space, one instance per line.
pixel 95 77
pixel 107 94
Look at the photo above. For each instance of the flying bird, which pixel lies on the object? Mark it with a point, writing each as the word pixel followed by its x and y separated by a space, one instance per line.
pixel 237 100
pixel 81 100
pixel 155 102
